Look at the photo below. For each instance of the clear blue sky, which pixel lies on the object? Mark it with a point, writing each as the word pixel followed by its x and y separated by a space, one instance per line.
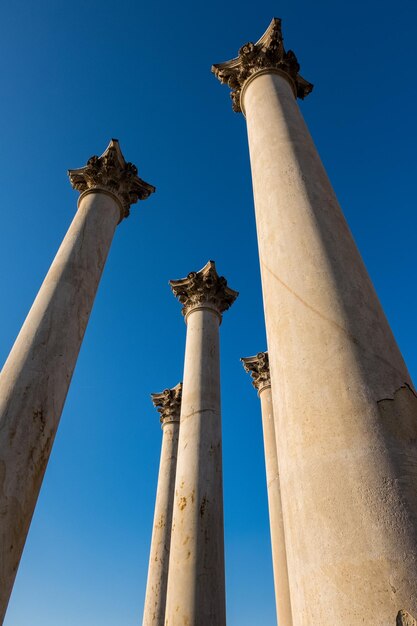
pixel 74 74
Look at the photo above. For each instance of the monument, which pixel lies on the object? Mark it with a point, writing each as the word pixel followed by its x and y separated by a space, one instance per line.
pixel 168 403
pixel 345 409
pixel 196 578
pixel 36 376
pixel 258 367
pixel 339 409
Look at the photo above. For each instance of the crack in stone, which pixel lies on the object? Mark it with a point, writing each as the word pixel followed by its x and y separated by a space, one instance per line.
pixel 329 320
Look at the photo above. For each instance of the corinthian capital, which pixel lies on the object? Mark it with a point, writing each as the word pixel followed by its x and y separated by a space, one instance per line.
pixel 258 367
pixel 112 174
pixel 168 404
pixel 266 54
pixel 205 287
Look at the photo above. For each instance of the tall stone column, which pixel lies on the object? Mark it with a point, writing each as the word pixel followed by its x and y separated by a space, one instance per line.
pixel 345 409
pixel 36 376
pixel 196 579
pixel 258 367
pixel 168 404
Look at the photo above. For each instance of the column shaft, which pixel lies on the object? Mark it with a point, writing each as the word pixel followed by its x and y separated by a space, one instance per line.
pixel 196 582
pixel 279 554
pixel 156 588
pixel 35 379
pixel 346 416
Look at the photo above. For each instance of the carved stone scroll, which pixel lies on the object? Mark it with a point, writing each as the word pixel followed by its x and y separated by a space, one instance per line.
pixel 258 367
pixel 168 404
pixel 112 174
pixel 266 54
pixel 204 287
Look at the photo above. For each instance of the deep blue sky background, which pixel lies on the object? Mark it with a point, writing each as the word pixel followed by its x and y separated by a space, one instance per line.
pixel 73 75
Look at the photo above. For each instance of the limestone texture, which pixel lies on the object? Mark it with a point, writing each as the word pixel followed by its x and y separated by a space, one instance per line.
pixel 168 404
pixel 258 366
pixel 36 376
pixel 347 465
pixel 196 578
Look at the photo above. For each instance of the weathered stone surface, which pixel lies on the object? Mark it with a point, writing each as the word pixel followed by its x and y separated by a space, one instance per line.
pixel 267 54
pixel 258 367
pixel 36 376
pixel 345 471
pixel 110 173
pixel 196 579
pixel 168 404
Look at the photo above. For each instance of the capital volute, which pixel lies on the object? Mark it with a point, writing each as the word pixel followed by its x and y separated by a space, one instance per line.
pixel 111 174
pixel 258 367
pixel 204 289
pixel 168 404
pixel 267 55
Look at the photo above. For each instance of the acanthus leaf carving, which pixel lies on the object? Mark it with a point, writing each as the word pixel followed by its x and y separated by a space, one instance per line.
pixel 258 367
pixel 204 287
pixel 111 173
pixel 168 404
pixel 267 53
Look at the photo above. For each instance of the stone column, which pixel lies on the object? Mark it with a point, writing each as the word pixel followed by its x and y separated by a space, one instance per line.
pixel 168 404
pixel 258 367
pixel 36 376
pixel 345 408
pixel 196 579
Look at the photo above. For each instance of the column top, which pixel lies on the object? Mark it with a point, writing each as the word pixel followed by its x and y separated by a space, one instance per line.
pixel 204 288
pixel 168 404
pixel 267 54
pixel 111 174
pixel 258 367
